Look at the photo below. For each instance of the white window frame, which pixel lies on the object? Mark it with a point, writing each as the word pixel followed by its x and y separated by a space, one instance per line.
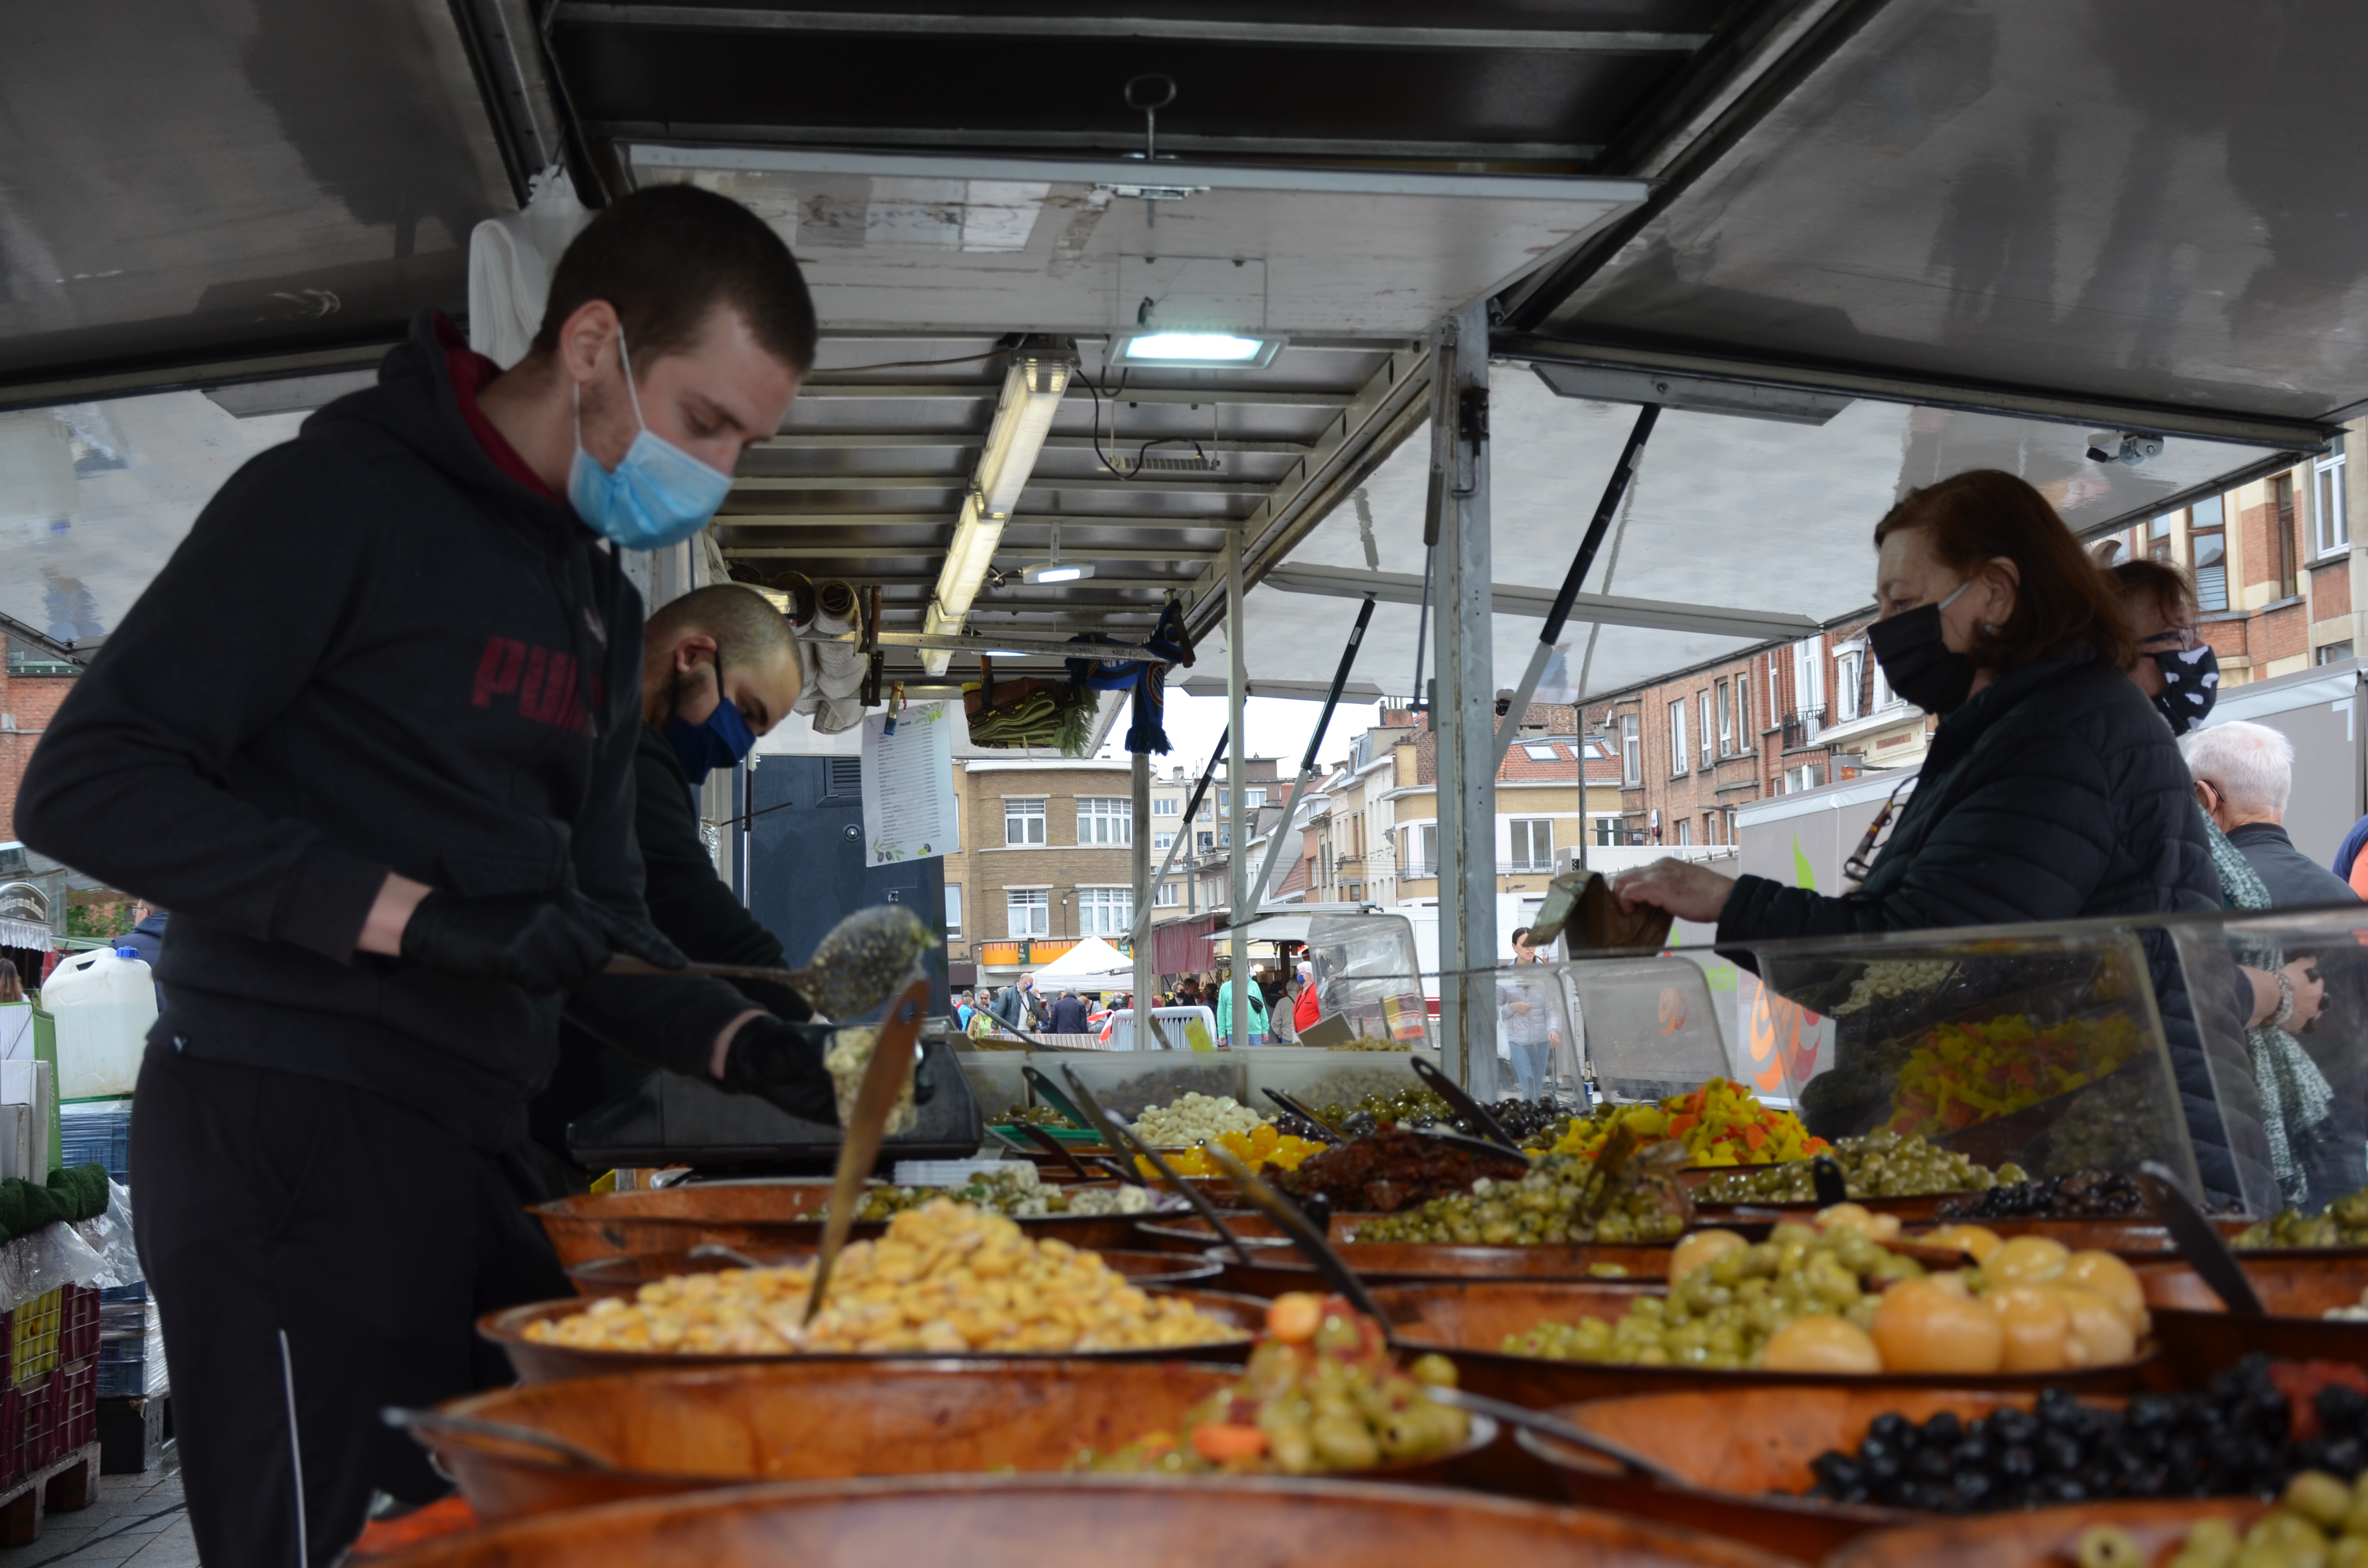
pixel 1162 840
pixel 1253 797
pixel 1166 806
pixel 2212 594
pixel 2330 518
pixel 1017 815
pixel 1104 821
pixel 1421 836
pixel 1169 895
pixel 1725 718
pixel 1632 751
pixel 1745 740
pixel 1105 911
pixel 1677 758
pixel 1707 741
pixel 1027 912
pixel 1849 660
pixel 1530 843
pixel 953 912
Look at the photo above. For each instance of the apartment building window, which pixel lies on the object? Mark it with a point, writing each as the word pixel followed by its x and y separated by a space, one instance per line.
pixel 2333 653
pixel 1609 831
pixel 1730 825
pixel 1254 798
pixel 1685 830
pixel 1533 844
pixel 2159 538
pixel 1224 799
pixel 1105 912
pixel 953 912
pixel 1725 720
pixel 1847 665
pixel 1707 741
pixel 1743 713
pixel 1162 840
pixel 1207 841
pixel 1023 821
pixel 1166 806
pixel 1809 684
pixel 1632 756
pixel 1169 895
pixel 1678 737
pixel 2207 554
pixel 2285 551
pixel 1027 912
pixel 2332 524
pixel 1882 693
pixel 1105 819
pixel 1709 827
pixel 1422 849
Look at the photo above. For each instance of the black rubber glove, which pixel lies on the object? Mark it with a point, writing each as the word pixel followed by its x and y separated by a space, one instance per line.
pixel 783 1063
pixel 638 938
pixel 537 943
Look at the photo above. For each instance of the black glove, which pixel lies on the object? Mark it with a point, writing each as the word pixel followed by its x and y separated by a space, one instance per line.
pixel 783 1063
pixel 540 943
pixel 638 938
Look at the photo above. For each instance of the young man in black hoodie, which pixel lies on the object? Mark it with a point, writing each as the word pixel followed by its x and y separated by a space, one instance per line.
pixel 370 737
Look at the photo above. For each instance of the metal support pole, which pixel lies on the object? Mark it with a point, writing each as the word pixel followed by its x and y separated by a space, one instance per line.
pixel 1142 897
pixel 1464 719
pixel 1237 868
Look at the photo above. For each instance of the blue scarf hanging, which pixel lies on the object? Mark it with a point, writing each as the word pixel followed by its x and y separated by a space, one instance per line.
pixel 1145 731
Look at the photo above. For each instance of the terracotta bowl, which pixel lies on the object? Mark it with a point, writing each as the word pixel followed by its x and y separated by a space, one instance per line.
pixel 1467 1321
pixel 1078 1522
pixel 2040 1536
pixel 623 1276
pixel 538 1363
pixel 1272 1271
pixel 1190 1233
pixel 1737 1450
pixel 753 1218
pixel 684 1431
pixel 2200 1337
pixel 1911 1210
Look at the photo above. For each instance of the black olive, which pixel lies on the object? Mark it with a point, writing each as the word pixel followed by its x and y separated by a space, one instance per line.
pixel 2341 1411
pixel 2011 1426
pixel 1945 1430
pixel 1890 1428
pixel 2018 1462
pixel 1930 1465
pixel 2059 1453
pixel 1837 1471
pixel 1974 1486
pixel 1882 1471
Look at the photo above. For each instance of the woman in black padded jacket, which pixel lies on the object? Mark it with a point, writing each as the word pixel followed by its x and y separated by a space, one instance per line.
pixel 2052 789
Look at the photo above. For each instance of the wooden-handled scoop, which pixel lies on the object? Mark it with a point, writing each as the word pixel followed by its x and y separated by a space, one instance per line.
pixel 860 1141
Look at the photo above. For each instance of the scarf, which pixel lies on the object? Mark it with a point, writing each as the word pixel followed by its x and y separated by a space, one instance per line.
pixel 2295 1096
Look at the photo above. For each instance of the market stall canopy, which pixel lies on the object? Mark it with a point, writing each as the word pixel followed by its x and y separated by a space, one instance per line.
pixel 1090 960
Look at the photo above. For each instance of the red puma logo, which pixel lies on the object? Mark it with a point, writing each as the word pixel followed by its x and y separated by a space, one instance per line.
pixel 543 681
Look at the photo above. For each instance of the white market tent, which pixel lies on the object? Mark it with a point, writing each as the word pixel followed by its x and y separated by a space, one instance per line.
pixel 1092 963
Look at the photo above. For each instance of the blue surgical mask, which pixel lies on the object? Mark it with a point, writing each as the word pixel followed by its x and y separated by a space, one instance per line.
pixel 721 742
pixel 658 495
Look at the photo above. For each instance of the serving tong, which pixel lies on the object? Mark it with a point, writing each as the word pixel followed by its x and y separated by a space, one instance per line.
pixel 1122 1137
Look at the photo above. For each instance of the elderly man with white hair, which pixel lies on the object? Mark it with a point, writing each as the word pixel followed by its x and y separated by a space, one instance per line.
pixel 2244 775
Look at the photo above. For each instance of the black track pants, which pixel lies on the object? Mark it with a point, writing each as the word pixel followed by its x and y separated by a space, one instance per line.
pixel 316 1252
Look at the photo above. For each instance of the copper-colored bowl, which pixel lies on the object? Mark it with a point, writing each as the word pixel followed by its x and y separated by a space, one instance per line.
pixel 1027 1521
pixel 753 1218
pixel 1190 1233
pixel 1911 1210
pixel 536 1362
pixel 2040 1536
pixel 2198 1336
pixel 1467 1322
pixel 1272 1272
pixel 1745 1454
pixel 623 1276
pixel 685 1431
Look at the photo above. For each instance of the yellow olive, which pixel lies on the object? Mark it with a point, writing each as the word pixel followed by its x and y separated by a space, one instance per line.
pixel 1821 1344
pixel 1698 1248
pixel 1977 1242
pixel 2111 1277
pixel 2038 1327
pixel 1923 1325
pixel 2027 1260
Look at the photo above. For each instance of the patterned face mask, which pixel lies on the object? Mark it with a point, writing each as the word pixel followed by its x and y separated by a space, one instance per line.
pixel 2190 678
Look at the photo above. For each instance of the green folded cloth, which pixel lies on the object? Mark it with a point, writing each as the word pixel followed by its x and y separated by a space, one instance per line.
pixel 83 1190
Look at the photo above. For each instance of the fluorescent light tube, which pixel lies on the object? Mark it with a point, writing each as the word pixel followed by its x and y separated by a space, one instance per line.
pixel 1033 390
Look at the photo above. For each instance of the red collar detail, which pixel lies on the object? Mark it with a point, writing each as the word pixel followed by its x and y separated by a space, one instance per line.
pixel 468 373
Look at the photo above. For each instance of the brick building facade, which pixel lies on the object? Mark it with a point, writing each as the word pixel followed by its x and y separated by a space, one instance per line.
pixel 1047 857
pixel 30 691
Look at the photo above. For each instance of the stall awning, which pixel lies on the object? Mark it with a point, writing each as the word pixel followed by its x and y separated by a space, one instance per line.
pixel 24 934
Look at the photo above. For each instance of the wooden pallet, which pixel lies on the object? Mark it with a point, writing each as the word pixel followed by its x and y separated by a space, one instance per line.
pixel 63 1485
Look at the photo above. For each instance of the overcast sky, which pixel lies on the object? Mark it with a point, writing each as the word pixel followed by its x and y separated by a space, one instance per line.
pixel 1278 727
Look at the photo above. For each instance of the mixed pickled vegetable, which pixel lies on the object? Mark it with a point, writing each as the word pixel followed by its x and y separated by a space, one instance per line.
pixel 945 1278
pixel 1267 1146
pixel 1963 1074
pixel 1881 1164
pixel 1194 1118
pixel 1016 1189
pixel 1722 1123
pixel 1391 1168
pixel 1322 1393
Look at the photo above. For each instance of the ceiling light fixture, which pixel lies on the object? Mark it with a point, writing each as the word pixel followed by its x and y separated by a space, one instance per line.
pixel 1165 347
pixel 1054 570
pixel 1033 390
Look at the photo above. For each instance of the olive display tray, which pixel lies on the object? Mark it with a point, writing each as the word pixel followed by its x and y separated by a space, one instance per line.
pixel 1467 1321
pixel 1744 1456
pixel 2040 1536
pixel 538 1362
pixel 753 1216
pixel 1086 1521
pixel 623 1276
pixel 680 1430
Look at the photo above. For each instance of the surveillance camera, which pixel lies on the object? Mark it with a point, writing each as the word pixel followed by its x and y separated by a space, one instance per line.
pixel 2129 447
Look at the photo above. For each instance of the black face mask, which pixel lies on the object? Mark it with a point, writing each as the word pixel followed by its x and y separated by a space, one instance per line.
pixel 2191 680
pixel 1916 662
